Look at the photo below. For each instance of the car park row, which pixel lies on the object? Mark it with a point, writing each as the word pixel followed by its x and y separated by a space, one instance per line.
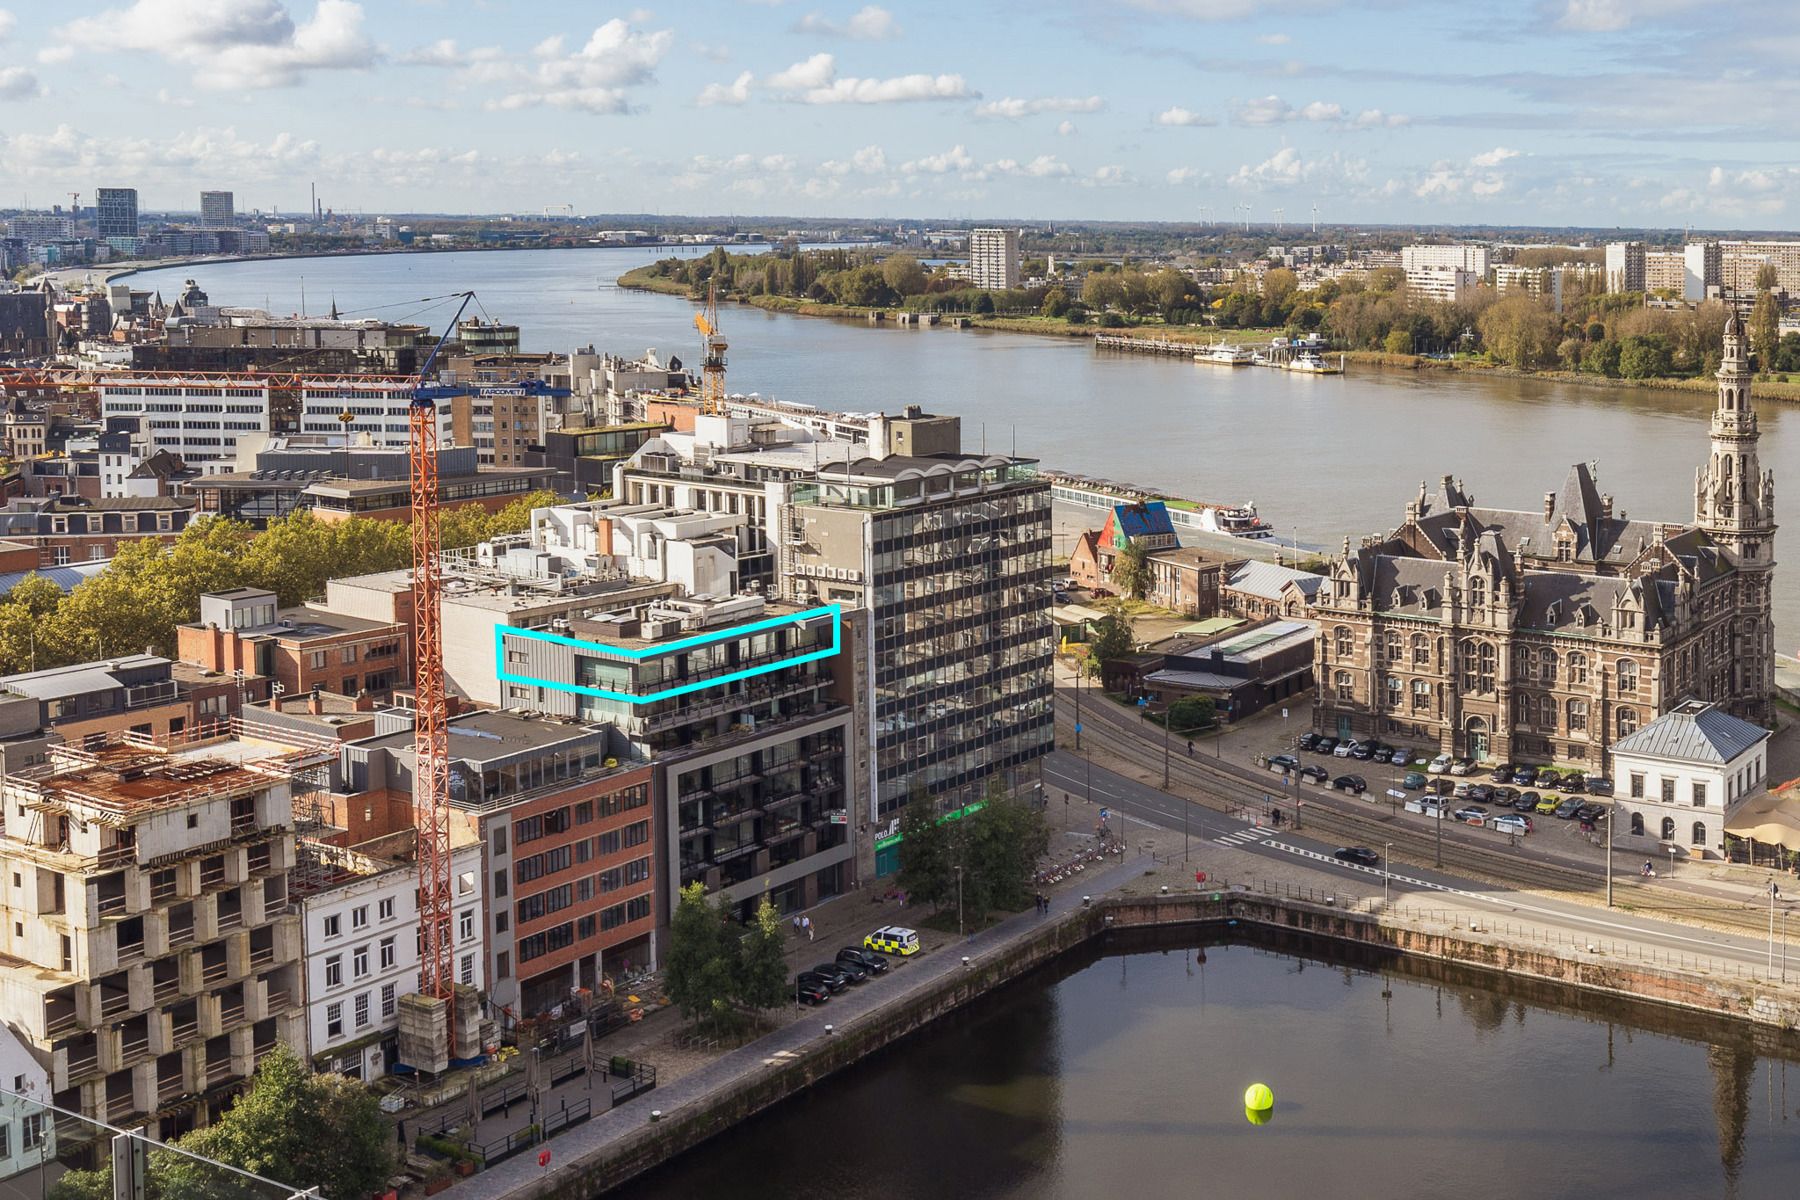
pixel 854 964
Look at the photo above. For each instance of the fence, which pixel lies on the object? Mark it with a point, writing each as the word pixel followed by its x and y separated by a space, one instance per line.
pixel 639 1077
pixel 559 1119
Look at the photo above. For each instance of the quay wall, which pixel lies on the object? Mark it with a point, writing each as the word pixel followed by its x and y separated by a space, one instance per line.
pixel 1695 1000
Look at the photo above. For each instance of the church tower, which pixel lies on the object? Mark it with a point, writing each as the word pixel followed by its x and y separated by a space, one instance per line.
pixel 1734 502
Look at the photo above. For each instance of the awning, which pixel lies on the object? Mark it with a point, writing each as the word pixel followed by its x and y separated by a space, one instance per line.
pixel 1769 819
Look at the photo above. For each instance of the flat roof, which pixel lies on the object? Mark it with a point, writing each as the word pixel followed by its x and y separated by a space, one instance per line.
pixel 493 733
pixel 123 780
pixel 78 679
pixel 305 622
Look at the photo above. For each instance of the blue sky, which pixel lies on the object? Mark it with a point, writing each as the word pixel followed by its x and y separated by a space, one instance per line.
pixel 1590 112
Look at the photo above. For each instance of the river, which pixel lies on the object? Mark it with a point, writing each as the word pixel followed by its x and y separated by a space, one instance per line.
pixel 1322 457
pixel 1123 1076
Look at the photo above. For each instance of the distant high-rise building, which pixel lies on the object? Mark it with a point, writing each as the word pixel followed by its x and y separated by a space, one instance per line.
pixel 216 211
pixel 116 213
pixel 1454 256
pixel 1701 273
pixel 994 258
pixel 1625 267
pixel 40 227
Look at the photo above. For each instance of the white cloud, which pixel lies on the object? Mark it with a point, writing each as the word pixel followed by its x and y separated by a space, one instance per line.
pixel 735 92
pixel 54 55
pixel 1606 16
pixel 232 44
pixel 954 160
pixel 870 160
pixel 1374 118
pixel 16 83
pixel 593 79
pixel 1318 110
pixel 1477 177
pixel 1013 108
pixel 871 23
pixel 1182 116
pixel 1044 166
pixel 1273 39
pixel 1181 175
pixel 1286 167
pixel 172 99
pixel 1066 129
pixel 1269 110
pixel 1494 157
pixel 816 81
pixel 7 22
pixel 1111 175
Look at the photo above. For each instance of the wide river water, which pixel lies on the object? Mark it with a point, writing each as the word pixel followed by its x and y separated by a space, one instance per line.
pixel 1322 457
pixel 1124 1076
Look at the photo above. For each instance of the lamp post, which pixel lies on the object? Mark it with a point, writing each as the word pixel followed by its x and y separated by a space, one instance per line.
pixel 1609 855
pixel 1438 811
pixel 959 907
pixel 1165 724
pixel 1387 876
pixel 1774 895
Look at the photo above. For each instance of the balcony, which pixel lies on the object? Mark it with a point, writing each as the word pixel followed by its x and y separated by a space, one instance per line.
pixel 148 695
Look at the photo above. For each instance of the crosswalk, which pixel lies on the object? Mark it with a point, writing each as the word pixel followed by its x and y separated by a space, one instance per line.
pixel 1241 837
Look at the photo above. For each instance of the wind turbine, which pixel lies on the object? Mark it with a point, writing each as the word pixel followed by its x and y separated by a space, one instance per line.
pixel 1244 207
pixel 1315 218
pixel 1279 213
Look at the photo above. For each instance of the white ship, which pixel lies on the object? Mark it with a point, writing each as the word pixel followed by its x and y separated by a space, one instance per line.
pixel 1234 520
pixel 1225 355
pixel 1309 363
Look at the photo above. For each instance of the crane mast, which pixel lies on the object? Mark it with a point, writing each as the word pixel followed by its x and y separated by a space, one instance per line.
pixel 712 355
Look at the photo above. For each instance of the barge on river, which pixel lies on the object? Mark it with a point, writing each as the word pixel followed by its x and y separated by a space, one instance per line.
pixel 1234 520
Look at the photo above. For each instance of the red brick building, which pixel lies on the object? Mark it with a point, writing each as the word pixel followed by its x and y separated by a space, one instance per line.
pixel 298 649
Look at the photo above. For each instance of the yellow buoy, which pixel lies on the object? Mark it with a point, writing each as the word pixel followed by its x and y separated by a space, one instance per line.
pixel 1258 1097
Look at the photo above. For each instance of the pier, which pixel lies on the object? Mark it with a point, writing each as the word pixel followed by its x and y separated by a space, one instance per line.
pixel 1162 346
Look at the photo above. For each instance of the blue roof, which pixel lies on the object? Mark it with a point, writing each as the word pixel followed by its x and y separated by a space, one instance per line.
pixel 1144 520
pixel 63 577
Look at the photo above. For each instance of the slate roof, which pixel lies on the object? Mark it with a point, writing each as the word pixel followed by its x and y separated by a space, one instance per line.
pixel 1452 520
pixel 1693 732
pixel 1266 579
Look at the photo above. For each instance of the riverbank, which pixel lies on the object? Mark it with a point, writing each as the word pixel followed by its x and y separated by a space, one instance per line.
pixel 1140 906
pixel 1764 388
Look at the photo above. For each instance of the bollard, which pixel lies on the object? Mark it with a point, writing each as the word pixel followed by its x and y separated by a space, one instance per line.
pixel 829 1031
pixel 1165 889
pixel 656 1114
pixel 1086 900
pixel 965 960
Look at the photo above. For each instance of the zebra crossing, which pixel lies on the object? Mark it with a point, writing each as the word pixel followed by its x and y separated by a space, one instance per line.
pixel 1241 837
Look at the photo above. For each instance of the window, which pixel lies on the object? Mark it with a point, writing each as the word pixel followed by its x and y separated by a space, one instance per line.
pixel 1637 824
pixel 465 925
pixel 584 812
pixel 385 910
pixel 334 971
pixel 1699 794
pixel 1421 650
pixel 1396 691
pixel 359 962
pixel 31 1131
pixel 1578 714
pixel 466 971
pixel 503 965
pixel 316 660
pixel 1628 722
pixel 5 1140
pixel 334 1019
pixel 1668 829
pixel 1637 785
pixel 1628 678
pixel 1477 592
pixel 499 883
pixel 359 917
pixel 1547 667
pixel 499 839
pixel 1421 695
pixel 362 1010
pixel 347 655
pixel 1699 833
pixel 1577 668
pixel 1344 644
pixel 1346 687
pixel 387 952
pixel 333 925
pixel 388 1002
pixel 1668 791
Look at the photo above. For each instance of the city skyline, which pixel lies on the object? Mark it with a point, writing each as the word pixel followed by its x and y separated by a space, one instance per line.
pixel 1593 113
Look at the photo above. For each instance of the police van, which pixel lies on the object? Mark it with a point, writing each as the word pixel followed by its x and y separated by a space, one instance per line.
pixel 892 939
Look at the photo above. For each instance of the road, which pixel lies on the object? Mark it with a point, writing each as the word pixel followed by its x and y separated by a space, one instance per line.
pixel 1204 828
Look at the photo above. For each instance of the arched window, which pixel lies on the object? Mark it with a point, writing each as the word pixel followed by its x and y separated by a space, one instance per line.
pixel 1628 677
pixel 1668 829
pixel 1346 687
pixel 1396 691
pixel 1547 667
pixel 1577 717
pixel 1395 646
pixel 1489 658
pixel 1476 743
pixel 1548 707
pixel 1477 592
pixel 1421 650
pixel 1628 722
pixel 1577 668
pixel 1699 833
pixel 1344 645
pixel 1637 824
pixel 1421 694
pixel 1524 708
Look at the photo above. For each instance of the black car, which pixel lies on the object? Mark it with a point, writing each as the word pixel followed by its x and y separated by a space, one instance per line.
pixel 1505 796
pixel 1362 856
pixel 832 975
pixel 1526 803
pixel 1314 772
pixel 1599 785
pixel 1308 741
pixel 854 972
pixel 1350 783
pixel 1362 752
pixel 810 988
pixel 1525 775
pixel 1590 813
pixel 1567 809
pixel 1480 793
pixel 1502 773
pixel 874 964
pixel 1325 745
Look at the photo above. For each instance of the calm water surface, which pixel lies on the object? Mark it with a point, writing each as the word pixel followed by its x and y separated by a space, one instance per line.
pixel 1123 1077
pixel 1322 457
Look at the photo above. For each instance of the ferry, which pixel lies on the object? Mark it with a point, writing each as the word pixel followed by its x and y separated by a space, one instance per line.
pixel 1224 355
pixel 1233 520
pixel 1308 362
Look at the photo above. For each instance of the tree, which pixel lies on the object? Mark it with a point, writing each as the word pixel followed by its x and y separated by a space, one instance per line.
pixel 1056 303
pixel 984 303
pixel 700 969
pixel 1767 278
pixel 1398 341
pixel 1279 285
pixel 1101 289
pixel 762 980
pixel 903 274
pixel 1520 331
pixel 1645 356
pixel 1131 569
pixel 1189 713
pixel 927 872
pixel 1001 844
pixel 1765 330
pixel 1112 639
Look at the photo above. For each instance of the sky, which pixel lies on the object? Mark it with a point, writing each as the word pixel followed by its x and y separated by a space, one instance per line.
pixel 1595 113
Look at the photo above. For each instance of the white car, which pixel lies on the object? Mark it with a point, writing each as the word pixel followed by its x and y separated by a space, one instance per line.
pixel 1439 765
pixel 1344 749
pixel 1511 824
pixel 1462 766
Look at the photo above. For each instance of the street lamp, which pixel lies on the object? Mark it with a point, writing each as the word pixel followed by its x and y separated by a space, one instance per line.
pixel 1774 895
pixel 1609 854
pixel 959 907
pixel 1387 878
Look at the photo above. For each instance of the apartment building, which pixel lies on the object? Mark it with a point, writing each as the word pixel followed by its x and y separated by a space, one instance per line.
pixel 565 821
pixel 1625 267
pixel 377 408
pixel 994 258
pixel 1741 260
pixel 502 422
pixel 90 703
pixel 199 419
pixel 743 708
pixel 152 957
pixel 1453 285
pixel 298 650
pixel 116 213
pixel 217 210
pixel 1455 257
pixel 68 529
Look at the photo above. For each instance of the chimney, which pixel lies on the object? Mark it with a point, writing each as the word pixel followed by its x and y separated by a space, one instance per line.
pixel 315 703
pixel 364 701
pixel 1606 506
pixel 1549 506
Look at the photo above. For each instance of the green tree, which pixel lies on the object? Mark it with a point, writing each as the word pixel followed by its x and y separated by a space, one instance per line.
pixel 1645 356
pixel 762 981
pixel 1056 303
pixel 1279 285
pixel 984 303
pixel 1767 278
pixel 1190 713
pixel 1398 341
pixel 1520 331
pixel 1601 358
pixel 1765 330
pixel 1131 569
pixel 927 871
pixel 701 967
pixel 1001 845
pixel 1112 639
pixel 903 274
pixel 1101 289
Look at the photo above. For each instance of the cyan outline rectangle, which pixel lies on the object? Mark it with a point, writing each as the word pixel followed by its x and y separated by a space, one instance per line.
pixel 661 649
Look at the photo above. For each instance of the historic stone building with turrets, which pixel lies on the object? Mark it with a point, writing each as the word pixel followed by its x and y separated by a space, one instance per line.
pixel 1547 636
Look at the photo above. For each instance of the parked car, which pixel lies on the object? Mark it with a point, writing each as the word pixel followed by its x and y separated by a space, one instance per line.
pixel 1433 805
pixel 1381 755
pixel 1345 749
pixel 1413 781
pixel 1462 766
pixel 1549 777
pixel 1599 785
pixel 837 974
pixel 832 983
pixel 1314 772
pixel 1362 856
pixel 1505 796
pixel 1473 813
pixel 811 989
pixel 1545 805
pixel 1567 809
pixel 1350 783
pixel 1527 802
pixel 1307 741
pixel 853 971
pixel 893 939
pixel 1461 790
pixel 1525 775
pixel 1101 593
pixel 1501 773
pixel 1325 745
pixel 1361 752
pixel 1439 765
pixel 1480 793
pixel 1511 823
pixel 1590 812
pixel 874 964
pixel 1284 762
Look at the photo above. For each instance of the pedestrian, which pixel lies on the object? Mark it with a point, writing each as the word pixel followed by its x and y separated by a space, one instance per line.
pixel 797 926
pixel 807 922
pixel 1190 747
